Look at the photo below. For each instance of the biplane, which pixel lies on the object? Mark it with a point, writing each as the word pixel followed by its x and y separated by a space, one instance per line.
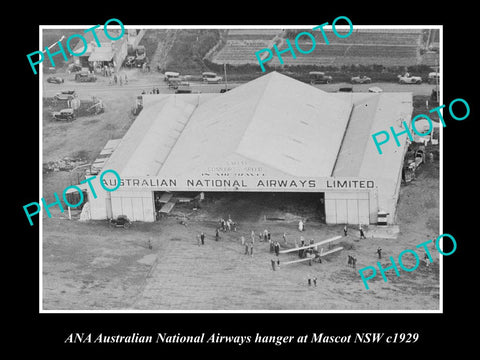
pixel 310 252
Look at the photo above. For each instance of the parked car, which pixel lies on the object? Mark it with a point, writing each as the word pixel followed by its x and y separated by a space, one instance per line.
pixel 319 77
pixel 120 221
pixel 64 115
pixel 345 89
pixel 433 77
pixel 65 95
pixel 171 75
pixel 375 89
pixel 407 79
pixel 130 61
pixel 362 79
pixel 183 90
pixel 175 83
pixel 55 80
pixel 74 68
pixel 211 78
pixel 85 77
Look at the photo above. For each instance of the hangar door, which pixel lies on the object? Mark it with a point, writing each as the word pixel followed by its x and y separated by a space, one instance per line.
pixel 137 205
pixel 347 208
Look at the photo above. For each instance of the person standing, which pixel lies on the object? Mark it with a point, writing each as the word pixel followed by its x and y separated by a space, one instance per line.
pixel 426 259
pixel 300 225
pixel 217 235
pixel 243 240
pixel 246 249
pixel 285 238
pixel 379 252
pixel 314 281
pixel 252 235
pixel 251 249
pixel 345 230
pixel 202 238
pixel 273 264
pixel 362 234
pixel 277 248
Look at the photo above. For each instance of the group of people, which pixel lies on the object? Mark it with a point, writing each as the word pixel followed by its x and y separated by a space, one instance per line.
pixel 360 229
pixel 274 247
pixel 228 225
pixel 352 261
pixel 107 71
pixel 153 91
pixel 312 279
pixel 118 79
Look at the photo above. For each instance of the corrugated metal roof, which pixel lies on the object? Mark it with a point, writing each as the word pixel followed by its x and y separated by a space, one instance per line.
pixel 101 54
pixel 275 120
pixel 283 125
pixel 153 134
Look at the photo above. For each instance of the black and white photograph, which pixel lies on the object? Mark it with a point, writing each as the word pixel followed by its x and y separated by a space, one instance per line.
pixel 196 178
pixel 193 173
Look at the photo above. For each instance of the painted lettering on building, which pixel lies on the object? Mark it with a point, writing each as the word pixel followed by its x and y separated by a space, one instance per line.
pixel 243 183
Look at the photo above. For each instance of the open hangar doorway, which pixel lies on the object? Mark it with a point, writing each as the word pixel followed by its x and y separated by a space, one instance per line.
pixel 250 206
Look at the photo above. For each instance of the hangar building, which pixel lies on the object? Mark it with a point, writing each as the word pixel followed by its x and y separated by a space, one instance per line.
pixel 272 134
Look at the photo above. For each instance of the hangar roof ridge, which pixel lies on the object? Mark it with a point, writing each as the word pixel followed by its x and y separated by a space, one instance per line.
pixel 291 124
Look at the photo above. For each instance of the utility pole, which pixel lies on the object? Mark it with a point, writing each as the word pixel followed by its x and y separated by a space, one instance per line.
pixel 225 73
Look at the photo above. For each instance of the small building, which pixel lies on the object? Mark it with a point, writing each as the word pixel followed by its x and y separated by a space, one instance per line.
pixel 110 53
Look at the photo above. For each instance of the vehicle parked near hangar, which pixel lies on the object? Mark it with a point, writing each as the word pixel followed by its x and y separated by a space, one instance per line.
pixel 85 77
pixel 55 80
pixel 64 115
pixel 407 79
pixel 211 77
pixel 65 95
pixel 433 77
pixel 362 79
pixel 319 77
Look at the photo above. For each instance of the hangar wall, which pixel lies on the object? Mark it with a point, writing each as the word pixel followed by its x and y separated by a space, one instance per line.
pixel 350 207
pixel 137 205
